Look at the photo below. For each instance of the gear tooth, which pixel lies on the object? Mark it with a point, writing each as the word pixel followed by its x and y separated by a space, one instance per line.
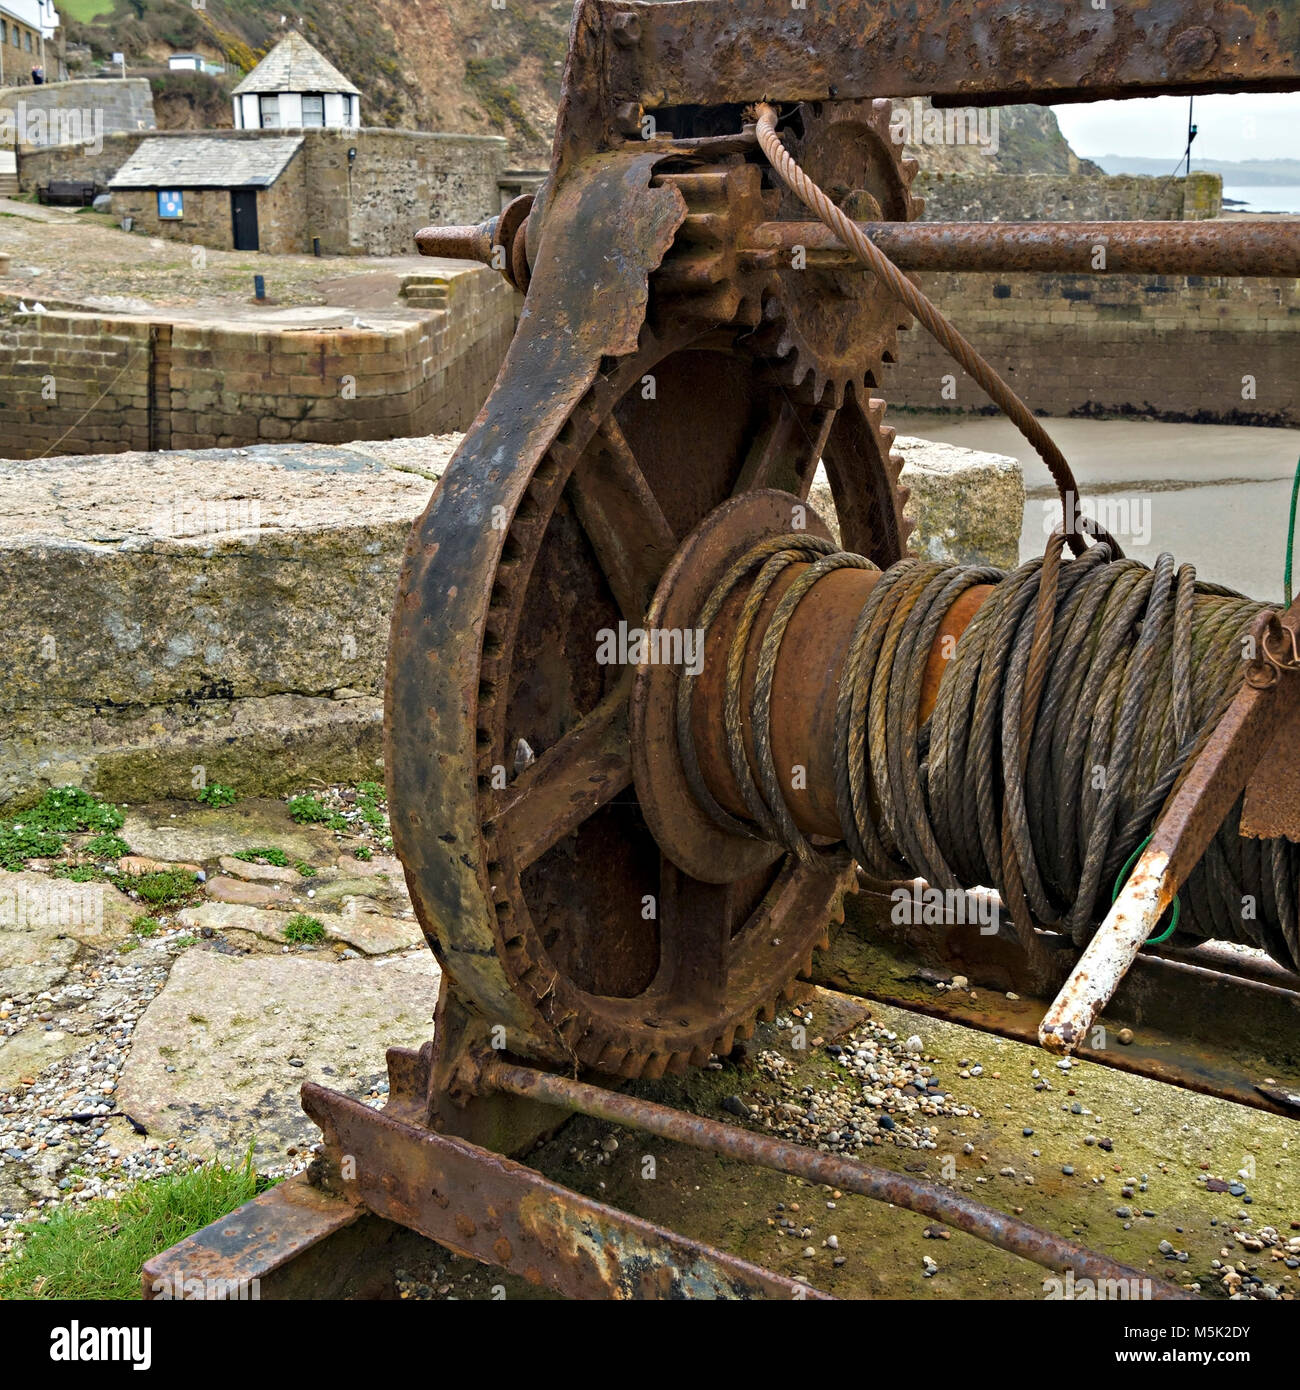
pixel 918 208
pixel 726 1042
pixel 679 1063
pixel 910 167
pixel 888 433
pixel 806 969
pixel 875 410
pixel 700 1055
pixel 766 1013
pixel 632 1066
pixel 655 1066
pixel 611 1059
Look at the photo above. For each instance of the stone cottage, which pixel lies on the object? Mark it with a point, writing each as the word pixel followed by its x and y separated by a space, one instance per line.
pixel 231 194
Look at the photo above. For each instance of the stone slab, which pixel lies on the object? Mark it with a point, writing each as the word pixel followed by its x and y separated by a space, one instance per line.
pixel 232 1027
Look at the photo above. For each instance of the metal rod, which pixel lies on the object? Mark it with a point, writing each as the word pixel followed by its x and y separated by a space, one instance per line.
pixel 460 243
pixel 880 1184
pixel 1083 248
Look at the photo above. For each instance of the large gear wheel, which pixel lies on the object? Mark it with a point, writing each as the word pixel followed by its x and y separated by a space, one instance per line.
pixel 833 329
pixel 531 862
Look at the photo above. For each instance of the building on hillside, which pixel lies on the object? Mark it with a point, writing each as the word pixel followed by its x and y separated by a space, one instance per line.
pixel 194 62
pixel 231 194
pixel 296 88
pixel 26 29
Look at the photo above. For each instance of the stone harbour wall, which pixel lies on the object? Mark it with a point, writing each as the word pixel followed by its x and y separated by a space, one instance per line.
pixel 993 197
pixel 77 383
pixel 399 182
pixel 1190 348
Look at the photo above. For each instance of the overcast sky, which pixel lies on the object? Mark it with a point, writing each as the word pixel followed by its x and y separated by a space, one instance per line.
pixel 1242 126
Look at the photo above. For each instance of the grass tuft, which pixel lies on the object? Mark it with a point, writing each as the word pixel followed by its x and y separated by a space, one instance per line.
pixel 95 1250
pixel 303 930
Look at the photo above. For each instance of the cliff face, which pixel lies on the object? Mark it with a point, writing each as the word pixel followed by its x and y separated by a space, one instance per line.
pixel 455 65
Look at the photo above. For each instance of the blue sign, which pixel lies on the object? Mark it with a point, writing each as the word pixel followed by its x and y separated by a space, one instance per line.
pixel 171 206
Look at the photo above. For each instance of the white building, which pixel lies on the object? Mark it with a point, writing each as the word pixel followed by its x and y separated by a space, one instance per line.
pixel 25 25
pixel 294 88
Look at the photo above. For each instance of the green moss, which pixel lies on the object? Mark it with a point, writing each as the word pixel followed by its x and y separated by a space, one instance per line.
pixel 146 926
pixel 78 873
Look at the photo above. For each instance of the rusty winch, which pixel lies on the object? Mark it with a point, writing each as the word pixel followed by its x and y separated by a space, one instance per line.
pixel 648 722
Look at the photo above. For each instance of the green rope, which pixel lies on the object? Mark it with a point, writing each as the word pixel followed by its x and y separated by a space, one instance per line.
pixel 1124 873
pixel 1290 535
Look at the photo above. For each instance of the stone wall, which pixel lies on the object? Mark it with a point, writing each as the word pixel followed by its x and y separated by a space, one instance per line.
pixel 993 197
pixel 37 167
pixel 1163 347
pixel 399 182
pixel 74 113
pixel 174 610
pixel 373 205
pixel 80 383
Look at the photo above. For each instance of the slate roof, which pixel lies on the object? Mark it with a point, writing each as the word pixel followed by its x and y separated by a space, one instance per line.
pixel 207 161
pixel 293 65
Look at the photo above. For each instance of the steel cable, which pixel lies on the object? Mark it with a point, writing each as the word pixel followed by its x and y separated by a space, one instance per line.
pixel 1073 702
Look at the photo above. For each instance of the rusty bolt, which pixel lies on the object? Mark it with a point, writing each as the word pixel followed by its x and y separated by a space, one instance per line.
pixel 627 29
pixel 627 117
pixel 1190 50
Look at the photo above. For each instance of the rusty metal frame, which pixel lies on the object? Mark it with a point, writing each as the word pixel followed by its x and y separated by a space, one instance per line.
pixel 721 52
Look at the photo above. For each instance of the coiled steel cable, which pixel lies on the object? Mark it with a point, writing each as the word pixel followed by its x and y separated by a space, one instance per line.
pixel 1074 701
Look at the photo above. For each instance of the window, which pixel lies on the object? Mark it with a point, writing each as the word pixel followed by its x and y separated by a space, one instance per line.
pixel 4 31
pixel 269 112
pixel 28 37
pixel 313 110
